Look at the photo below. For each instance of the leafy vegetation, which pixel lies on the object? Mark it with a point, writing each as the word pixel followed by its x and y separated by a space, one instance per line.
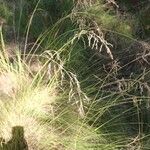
pixel 74 75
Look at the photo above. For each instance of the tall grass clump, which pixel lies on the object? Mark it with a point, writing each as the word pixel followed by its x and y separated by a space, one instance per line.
pixel 26 101
pixel 35 90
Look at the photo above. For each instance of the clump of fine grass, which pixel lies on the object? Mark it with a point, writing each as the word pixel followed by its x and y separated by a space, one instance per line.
pixel 25 104
pixel 28 97
pixel 32 103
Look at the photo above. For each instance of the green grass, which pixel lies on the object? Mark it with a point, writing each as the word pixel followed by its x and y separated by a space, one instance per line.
pixel 50 114
pixel 61 90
